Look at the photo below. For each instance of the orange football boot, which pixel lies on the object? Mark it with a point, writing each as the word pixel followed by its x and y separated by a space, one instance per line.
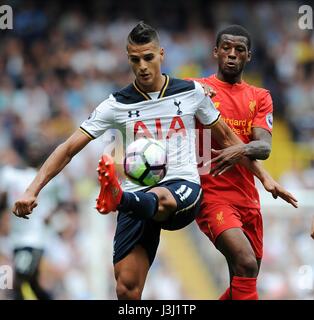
pixel 110 190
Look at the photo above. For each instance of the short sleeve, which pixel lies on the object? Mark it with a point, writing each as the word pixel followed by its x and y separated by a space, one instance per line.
pixel 206 112
pixel 264 114
pixel 101 119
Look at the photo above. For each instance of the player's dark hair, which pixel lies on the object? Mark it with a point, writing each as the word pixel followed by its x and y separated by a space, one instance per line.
pixel 235 30
pixel 142 33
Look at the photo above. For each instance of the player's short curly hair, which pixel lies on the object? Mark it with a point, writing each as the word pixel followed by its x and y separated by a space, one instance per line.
pixel 235 30
pixel 142 33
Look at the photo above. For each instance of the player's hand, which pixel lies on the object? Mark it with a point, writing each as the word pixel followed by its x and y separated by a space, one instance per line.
pixel 226 159
pixel 208 90
pixel 24 206
pixel 277 190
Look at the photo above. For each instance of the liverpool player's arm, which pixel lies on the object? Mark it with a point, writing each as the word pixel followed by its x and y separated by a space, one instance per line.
pixel 234 150
pixel 257 149
pixel 236 153
pixel 260 146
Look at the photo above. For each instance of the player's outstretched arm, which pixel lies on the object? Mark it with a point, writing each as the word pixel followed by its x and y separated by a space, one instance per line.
pixel 236 152
pixel 234 149
pixel 275 188
pixel 59 158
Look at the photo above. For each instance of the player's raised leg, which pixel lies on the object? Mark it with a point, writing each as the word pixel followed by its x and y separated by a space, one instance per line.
pixel 110 190
pixel 158 203
pixel 136 240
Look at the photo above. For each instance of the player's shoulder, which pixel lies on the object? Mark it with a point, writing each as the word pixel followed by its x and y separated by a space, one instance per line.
pixel 210 81
pixel 261 96
pixel 132 94
pixel 176 86
pixel 260 91
pixel 128 95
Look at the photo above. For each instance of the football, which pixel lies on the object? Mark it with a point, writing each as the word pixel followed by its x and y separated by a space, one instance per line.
pixel 145 161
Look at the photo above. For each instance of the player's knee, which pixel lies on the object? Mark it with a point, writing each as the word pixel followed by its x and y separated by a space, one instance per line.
pixel 166 205
pixel 127 289
pixel 246 265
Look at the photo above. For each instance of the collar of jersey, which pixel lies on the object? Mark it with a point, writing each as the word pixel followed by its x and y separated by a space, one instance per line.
pixel 228 85
pixel 161 92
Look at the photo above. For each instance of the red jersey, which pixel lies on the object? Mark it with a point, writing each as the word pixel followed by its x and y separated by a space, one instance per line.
pixel 242 107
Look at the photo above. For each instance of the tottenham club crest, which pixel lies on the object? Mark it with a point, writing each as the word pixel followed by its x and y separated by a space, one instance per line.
pixel 177 104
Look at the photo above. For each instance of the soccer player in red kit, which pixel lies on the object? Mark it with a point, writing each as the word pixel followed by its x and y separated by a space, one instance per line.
pixel 230 212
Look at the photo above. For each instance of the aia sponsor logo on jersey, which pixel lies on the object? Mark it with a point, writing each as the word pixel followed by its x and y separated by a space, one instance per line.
pixel 176 127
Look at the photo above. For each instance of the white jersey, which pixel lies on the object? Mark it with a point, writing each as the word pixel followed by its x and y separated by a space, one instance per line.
pixel 31 232
pixel 169 117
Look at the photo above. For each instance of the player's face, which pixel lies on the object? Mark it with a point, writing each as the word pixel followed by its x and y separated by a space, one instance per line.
pixel 232 54
pixel 145 61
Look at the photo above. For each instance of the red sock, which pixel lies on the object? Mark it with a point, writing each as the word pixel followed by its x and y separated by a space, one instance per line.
pixel 225 295
pixel 243 288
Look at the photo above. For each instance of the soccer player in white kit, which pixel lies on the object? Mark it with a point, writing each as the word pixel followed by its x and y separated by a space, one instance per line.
pixel 157 106
pixel 28 239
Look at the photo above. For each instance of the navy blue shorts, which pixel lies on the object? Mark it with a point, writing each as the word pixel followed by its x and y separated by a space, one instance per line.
pixel 132 231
